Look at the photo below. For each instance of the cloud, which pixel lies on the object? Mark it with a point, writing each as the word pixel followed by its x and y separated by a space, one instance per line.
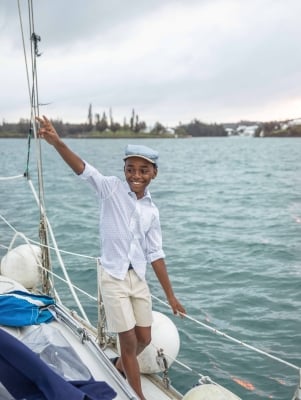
pixel 217 60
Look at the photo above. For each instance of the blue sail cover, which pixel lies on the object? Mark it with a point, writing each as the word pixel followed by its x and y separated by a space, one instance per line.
pixel 18 308
pixel 26 376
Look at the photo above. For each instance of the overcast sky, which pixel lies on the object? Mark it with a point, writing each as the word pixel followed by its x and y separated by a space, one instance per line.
pixel 170 60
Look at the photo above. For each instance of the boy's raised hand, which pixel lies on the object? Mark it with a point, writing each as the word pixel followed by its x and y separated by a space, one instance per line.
pixel 47 131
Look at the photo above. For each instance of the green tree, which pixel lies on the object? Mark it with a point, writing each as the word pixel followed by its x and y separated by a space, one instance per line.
pixel 197 128
pixel 158 128
pixel 90 116
pixel 132 120
pixel 102 124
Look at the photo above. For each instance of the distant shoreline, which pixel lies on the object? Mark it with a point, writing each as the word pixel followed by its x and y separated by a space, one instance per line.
pixel 195 128
pixel 101 137
pixel 3 136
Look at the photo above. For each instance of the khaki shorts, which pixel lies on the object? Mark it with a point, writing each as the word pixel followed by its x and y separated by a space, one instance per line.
pixel 127 302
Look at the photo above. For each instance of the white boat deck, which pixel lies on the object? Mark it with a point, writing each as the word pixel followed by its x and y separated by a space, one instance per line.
pixel 101 368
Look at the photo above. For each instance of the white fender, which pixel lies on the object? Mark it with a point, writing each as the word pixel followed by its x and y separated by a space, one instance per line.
pixel 209 391
pixel 8 285
pixel 21 265
pixel 165 336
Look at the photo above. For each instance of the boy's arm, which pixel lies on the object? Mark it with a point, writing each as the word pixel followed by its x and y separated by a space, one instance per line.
pixel 48 132
pixel 162 275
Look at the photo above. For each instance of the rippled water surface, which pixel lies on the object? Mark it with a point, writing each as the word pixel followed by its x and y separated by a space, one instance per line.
pixel 231 219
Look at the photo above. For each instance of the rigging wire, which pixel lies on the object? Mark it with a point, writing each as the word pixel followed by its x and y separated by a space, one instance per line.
pixel 26 173
pixel 30 131
pixel 24 49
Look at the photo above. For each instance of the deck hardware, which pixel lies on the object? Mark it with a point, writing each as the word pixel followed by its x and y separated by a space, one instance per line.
pixel 204 380
pixel 163 365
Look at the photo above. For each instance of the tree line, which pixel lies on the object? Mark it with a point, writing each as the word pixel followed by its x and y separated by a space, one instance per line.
pixel 104 124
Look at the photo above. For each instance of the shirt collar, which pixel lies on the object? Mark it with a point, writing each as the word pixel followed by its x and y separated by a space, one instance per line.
pixel 147 194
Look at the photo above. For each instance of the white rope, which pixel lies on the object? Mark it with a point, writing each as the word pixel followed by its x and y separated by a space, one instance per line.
pixel 59 255
pixel 208 327
pixel 60 260
pixel 74 286
pixel 65 251
pixel 29 241
pixel 49 247
pixel 216 331
pixel 6 178
pixel 8 224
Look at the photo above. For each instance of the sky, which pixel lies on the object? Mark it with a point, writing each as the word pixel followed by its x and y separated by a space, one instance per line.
pixel 172 61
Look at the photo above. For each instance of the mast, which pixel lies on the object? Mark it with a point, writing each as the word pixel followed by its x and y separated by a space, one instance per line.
pixel 34 105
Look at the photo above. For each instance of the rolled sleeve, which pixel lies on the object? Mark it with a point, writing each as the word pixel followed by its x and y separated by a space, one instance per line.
pixel 151 257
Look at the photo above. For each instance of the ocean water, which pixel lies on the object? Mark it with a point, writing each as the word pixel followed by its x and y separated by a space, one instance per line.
pixel 231 219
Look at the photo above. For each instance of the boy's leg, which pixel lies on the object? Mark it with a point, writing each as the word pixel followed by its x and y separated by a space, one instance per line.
pixel 130 348
pixel 143 335
pixel 128 303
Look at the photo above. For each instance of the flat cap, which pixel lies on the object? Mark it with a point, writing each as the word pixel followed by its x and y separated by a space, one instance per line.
pixel 139 150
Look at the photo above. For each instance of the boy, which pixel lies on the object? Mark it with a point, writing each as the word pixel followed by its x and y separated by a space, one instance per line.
pixel 130 238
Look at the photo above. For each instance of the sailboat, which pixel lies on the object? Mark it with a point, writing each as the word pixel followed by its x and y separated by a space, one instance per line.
pixel 50 351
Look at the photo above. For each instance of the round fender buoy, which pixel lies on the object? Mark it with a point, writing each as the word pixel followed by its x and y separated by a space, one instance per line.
pixel 21 265
pixel 165 336
pixel 8 285
pixel 209 391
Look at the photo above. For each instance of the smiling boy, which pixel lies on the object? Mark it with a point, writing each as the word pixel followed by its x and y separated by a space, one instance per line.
pixel 131 238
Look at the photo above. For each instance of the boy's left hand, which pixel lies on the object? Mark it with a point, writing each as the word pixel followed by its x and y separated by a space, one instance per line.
pixel 176 306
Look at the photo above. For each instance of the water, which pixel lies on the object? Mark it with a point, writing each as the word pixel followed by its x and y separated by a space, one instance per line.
pixel 231 219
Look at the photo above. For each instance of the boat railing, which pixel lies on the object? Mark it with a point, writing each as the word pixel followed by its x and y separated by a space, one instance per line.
pixel 73 289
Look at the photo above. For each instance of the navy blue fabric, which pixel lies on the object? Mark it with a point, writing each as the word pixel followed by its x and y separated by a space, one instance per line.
pixel 25 375
pixel 18 308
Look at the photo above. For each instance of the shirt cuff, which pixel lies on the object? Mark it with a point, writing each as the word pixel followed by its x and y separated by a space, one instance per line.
pixel 87 172
pixel 155 256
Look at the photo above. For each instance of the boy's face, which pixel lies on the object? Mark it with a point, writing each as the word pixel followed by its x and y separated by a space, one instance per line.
pixel 138 174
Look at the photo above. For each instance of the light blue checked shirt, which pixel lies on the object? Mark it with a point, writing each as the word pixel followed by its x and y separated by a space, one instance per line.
pixel 130 230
